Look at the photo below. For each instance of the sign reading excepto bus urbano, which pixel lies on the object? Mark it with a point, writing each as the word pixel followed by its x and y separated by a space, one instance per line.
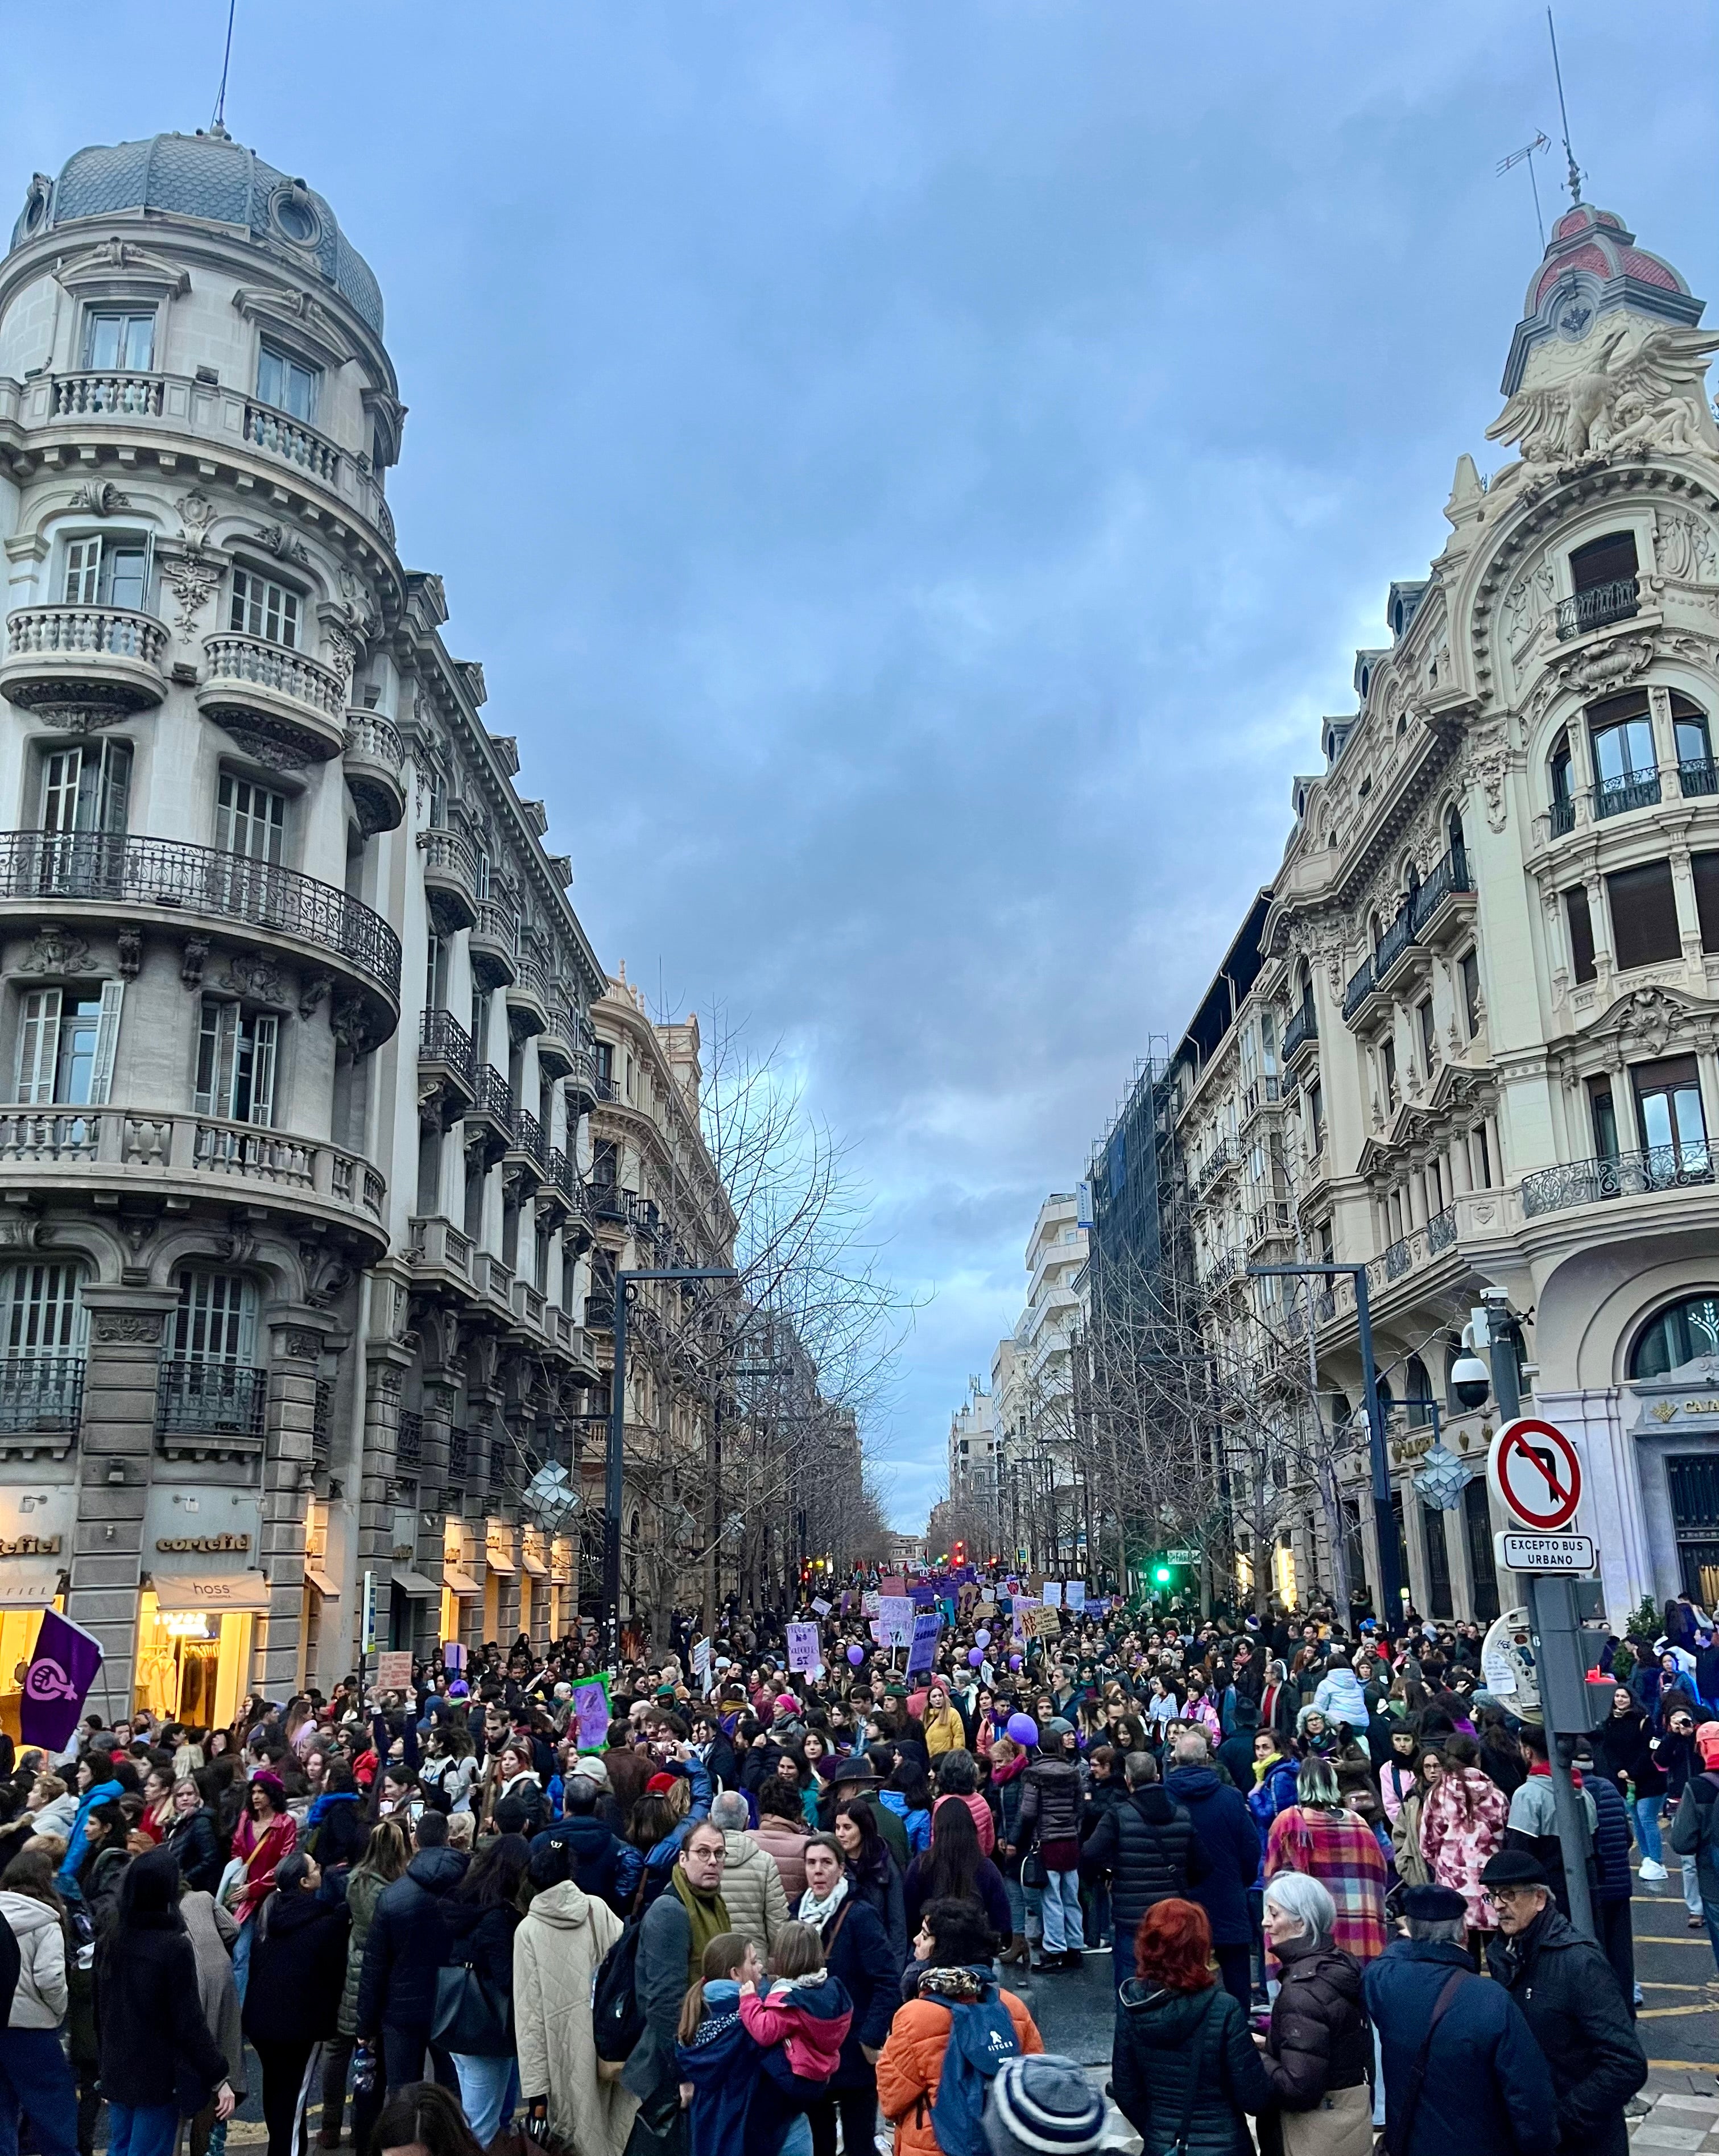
pixel 1544 1553
pixel 1535 1474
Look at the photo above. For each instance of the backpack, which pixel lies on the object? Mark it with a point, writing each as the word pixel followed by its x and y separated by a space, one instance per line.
pixel 617 2018
pixel 980 2037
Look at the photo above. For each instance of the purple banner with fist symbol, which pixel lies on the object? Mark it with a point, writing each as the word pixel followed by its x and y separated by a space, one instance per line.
pixel 56 1682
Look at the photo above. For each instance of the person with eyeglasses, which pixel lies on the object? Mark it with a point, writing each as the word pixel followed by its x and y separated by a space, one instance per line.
pixel 1572 2002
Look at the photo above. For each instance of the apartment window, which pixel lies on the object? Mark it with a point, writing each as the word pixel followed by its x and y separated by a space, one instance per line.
pixel 1694 746
pixel 606 1068
pixel 1580 926
pixel 87 788
pixel 107 571
pixel 236 1056
pixel 1328 1248
pixel 1483 1157
pixel 483 875
pixel 1644 916
pixel 1704 868
pixel 216 1321
pixel 1668 1108
pixel 286 384
pixel 45 1311
pixel 1605 561
pixel 605 1163
pixel 1563 785
pixel 1316 1113
pixel 66 1039
pixel 1602 1111
pixel 1388 1073
pixel 1423 1014
pixel 1418 1393
pixel 438 802
pixel 1468 968
pixel 262 607
pixel 1622 734
pixel 435 972
pixel 250 820
pixel 120 340
pixel 1268 1041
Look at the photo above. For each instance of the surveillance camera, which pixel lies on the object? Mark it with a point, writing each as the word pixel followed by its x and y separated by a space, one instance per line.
pixel 1471 1380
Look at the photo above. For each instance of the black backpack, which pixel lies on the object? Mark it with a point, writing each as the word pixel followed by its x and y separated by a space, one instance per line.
pixel 617 2018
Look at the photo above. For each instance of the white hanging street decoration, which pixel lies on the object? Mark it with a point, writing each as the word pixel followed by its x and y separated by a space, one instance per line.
pixel 1443 1478
pixel 549 1498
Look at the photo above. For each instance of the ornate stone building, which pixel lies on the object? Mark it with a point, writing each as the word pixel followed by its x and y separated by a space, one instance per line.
pixel 1470 1036
pixel 294 1007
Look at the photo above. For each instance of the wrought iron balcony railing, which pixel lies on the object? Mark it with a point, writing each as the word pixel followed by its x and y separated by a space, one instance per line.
pixel 1617 601
pixel 1698 774
pixel 122 872
pixel 1625 1175
pixel 1301 1029
pixel 409 1440
pixel 41 1393
pixel 442 1039
pixel 225 1399
pixel 1360 988
pixel 1634 789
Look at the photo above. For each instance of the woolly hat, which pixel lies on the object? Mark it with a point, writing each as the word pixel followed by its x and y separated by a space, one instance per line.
pixel 659 1785
pixel 1706 1740
pixel 1043 2105
pixel 591 1768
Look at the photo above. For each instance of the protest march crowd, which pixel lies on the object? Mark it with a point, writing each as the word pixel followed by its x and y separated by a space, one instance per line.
pixel 770 1891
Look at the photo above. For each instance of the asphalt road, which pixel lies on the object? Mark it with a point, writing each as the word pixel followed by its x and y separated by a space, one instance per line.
pixel 1679 2019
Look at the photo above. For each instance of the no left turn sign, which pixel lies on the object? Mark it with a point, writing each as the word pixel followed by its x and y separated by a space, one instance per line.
pixel 1535 1475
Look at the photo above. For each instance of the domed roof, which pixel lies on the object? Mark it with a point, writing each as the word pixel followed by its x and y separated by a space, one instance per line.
pixel 213 177
pixel 1597 239
pixel 1592 267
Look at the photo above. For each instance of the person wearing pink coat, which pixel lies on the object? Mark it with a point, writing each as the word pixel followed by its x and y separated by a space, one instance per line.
pixel 1462 1827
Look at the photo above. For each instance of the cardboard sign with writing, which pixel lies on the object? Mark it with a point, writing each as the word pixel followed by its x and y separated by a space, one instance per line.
pixel 1044 1623
pixel 1074 1593
pixel 895 1614
pixel 393 1669
pixel 803 1653
pixel 1053 1593
pixel 1021 1615
pixel 922 1653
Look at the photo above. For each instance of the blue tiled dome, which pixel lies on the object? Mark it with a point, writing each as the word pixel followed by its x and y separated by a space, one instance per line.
pixel 209 177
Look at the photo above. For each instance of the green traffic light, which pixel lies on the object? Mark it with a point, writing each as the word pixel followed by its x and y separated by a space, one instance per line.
pixel 1161 1574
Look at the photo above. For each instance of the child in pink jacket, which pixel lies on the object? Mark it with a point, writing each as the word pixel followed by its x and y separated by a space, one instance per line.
pixel 800 2022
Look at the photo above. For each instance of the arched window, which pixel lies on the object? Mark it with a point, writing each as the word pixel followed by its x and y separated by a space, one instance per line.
pixel 1387 1397
pixel 1626 771
pixel 1683 1333
pixel 216 1321
pixel 1453 840
pixel 1419 1391
pixel 1695 746
pixel 1563 786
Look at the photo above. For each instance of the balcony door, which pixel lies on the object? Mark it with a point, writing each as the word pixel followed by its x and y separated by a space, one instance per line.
pixel 208 1379
pixel 1668 1112
pixel 45 1341
pixel 1625 766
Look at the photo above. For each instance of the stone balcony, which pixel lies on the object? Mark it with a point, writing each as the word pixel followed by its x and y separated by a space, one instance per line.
pixel 450 880
pixel 101 658
pixel 374 759
pixel 183 1159
pixel 283 696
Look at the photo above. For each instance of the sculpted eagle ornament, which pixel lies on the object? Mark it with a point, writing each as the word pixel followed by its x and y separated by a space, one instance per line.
pixel 1655 397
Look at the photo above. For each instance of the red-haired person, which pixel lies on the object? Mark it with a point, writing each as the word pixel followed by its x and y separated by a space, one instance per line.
pixel 1175 2020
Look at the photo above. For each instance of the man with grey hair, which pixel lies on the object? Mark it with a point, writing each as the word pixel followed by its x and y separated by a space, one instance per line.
pixel 1462 2069
pixel 751 1881
pixel 1230 1849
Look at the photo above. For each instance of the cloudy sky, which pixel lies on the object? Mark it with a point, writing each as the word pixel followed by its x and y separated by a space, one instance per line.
pixel 915 474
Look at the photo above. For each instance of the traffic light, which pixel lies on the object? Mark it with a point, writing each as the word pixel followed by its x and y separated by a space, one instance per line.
pixel 1162 1574
pixel 960 1553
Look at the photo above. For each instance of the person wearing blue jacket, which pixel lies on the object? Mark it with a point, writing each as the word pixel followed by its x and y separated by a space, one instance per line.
pixel 656 1864
pixel 1232 1845
pixel 1488 2091
pixel 100 1787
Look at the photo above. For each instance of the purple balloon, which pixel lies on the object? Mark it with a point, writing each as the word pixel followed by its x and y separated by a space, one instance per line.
pixel 983 1638
pixel 1022 1729
pixel 975 1656
pixel 1014 1661
pixel 856 1655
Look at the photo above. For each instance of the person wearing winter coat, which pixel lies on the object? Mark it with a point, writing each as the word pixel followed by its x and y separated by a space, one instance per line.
pixel 1572 2002
pixel 1318 2048
pixel 292 2002
pixel 1230 1847
pixel 195 1838
pixel 1176 2025
pixel 752 1885
pixel 781 1835
pixel 873 1876
pixel 479 1919
pixel 674 1931
pixel 34 2075
pixel 386 1855
pixel 1320 1836
pixel 1462 1825
pixel 1488 2091
pixel 213 1932
pixel 944 1729
pixel 402 1952
pixel 958 1782
pixel 557 1950
pixel 595 1851
pixel 1531 1826
pixel 1339 1698
pixel 719 2063
pixel 1413 1869
pixel 157 2053
pixel 857 1951
pixel 953 1950
pixel 799 2017
pixel 1146 1846
pixel 1052 1801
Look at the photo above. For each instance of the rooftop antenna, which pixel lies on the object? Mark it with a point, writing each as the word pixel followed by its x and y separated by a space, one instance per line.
pixel 1526 154
pixel 217 125
pixel 1575 171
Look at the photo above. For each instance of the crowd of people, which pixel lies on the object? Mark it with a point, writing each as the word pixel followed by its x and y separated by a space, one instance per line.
pixel 765 1911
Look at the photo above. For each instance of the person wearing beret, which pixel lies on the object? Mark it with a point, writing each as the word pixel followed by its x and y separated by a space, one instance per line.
pixel 1570 2000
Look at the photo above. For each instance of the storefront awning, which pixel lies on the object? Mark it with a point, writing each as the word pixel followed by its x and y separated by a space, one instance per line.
pixel 458 1582
pixel 415 1583
pixel 29 1586
pixel 325 1584
pixel 220 1590
pixel 535 1565
pixel 500 1560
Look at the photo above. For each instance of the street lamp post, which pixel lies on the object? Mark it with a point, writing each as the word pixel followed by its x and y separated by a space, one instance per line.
pixel 1390 1585
pixel 615 1458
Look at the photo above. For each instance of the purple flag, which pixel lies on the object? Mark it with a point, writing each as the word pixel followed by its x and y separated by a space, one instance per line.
pixel 56 1682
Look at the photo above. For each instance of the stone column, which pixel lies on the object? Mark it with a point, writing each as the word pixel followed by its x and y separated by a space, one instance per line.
pixel 296 1347
pixel 1461 1172
pixel 385 1362
pixel 115 1460
pixel 436 1404
pixel 1689 919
